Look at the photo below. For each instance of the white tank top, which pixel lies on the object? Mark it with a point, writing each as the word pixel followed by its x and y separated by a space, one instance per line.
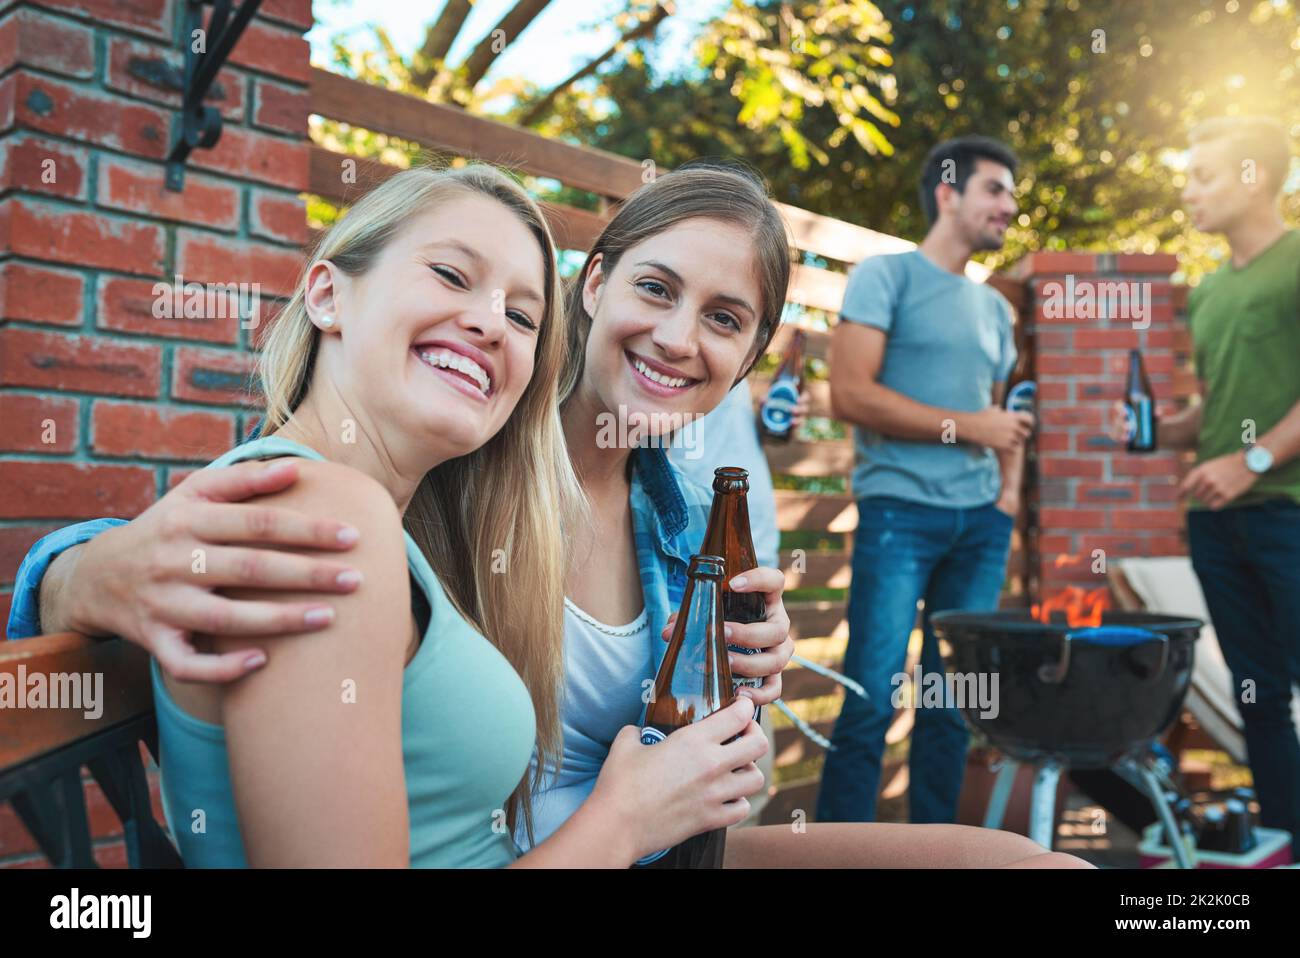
pixel 605 666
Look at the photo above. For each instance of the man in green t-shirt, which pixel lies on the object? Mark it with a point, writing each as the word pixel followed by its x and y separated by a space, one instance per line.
pixel 1243 523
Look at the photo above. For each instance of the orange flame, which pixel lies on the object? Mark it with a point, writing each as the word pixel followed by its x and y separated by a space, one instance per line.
pixel 1082 609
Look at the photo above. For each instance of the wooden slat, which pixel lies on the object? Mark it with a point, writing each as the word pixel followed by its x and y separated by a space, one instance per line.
pixel 573 228
pixel 836 239
pixel 809 510
pixel 794 797
pixel 834 569
pixel 815 346
pixel 343 177
pixel 449 128
pixel 818 288
pixel 816 619
pixel 124 692
pixel 789 745
pixel 801 796
pixel 800 683
pixel 824 458
pixel 820 570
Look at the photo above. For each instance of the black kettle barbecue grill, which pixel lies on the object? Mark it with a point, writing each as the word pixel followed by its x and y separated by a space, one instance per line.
pixel 1078 697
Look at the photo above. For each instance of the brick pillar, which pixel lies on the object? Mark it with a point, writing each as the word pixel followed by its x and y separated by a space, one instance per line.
pixel 105 405
pixel 1091 494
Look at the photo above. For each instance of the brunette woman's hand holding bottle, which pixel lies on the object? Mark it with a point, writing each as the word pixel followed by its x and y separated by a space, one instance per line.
pixel 771 636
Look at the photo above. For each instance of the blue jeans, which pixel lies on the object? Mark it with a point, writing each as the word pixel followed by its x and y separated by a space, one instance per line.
pixel 1248 561
pixel 904 552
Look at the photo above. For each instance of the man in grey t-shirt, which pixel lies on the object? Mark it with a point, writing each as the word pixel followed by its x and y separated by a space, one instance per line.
pixel 919 364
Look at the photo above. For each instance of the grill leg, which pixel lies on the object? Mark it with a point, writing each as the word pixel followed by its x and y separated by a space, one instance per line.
pixel 1042 804
pixel 997 809
pixel 1172 833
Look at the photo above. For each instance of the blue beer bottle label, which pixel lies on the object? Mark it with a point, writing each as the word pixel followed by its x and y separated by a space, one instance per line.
pixel 1139 415
pixel 1144 422
pixel 651 736
pixel 1022 395
pixel 778 410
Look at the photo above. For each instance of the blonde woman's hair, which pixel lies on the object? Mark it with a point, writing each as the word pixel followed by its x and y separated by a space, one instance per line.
pixel 700 189
pixel 490 522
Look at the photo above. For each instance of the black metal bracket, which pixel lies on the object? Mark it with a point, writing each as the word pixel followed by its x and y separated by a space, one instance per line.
pixel 48 795
pixel 198 125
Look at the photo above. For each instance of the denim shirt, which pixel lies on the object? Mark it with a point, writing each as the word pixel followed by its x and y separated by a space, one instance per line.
pixel 25 613
pixel 670 515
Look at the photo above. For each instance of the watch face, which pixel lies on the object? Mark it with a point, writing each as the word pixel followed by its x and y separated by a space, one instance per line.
pixel 1258 459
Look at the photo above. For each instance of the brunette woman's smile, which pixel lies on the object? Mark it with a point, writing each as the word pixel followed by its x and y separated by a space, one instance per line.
pixel 657 378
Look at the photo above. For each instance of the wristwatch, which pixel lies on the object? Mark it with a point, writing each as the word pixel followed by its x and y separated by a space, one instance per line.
pixel 1258 459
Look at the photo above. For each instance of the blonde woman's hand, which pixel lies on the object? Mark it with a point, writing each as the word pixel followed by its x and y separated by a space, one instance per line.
pixel 695 780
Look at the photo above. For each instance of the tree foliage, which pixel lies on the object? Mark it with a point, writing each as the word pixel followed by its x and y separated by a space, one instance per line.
pixel 1096 99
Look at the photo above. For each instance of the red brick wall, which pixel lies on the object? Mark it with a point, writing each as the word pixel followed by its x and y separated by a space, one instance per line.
pixel 1092 494
pixel 104 405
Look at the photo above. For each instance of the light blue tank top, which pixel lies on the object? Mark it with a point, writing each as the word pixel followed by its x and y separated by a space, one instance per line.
pixel 468 730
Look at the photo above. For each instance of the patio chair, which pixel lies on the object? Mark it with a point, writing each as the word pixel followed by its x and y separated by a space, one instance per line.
pixel 43 749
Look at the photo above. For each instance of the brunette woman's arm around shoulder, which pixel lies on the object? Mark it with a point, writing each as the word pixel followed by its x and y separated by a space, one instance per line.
pixel 315 736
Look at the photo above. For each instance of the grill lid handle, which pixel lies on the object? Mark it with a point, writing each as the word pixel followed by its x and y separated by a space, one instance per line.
pixel 1130 638
pixel 1118 636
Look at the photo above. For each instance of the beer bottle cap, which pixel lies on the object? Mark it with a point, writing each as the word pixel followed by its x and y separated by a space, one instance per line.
pixel 730 479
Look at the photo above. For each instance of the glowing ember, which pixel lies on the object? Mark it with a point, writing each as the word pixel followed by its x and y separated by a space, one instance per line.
pixel 1082 609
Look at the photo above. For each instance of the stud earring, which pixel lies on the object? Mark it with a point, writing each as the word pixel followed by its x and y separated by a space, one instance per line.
pixel 327 321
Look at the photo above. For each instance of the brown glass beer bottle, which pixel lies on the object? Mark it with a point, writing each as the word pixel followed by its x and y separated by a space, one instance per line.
pixel 728 536
pixel 1139 406
pixel 694 681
